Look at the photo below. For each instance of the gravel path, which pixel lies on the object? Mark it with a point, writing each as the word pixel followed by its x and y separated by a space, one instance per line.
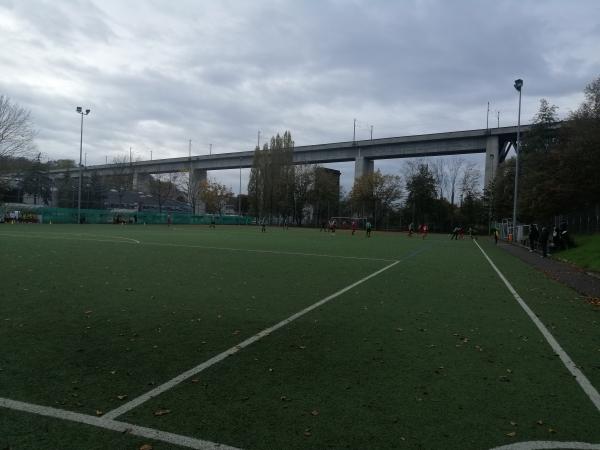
pixel 574 277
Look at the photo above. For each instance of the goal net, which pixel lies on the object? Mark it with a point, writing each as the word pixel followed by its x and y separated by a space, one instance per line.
pixel 345 223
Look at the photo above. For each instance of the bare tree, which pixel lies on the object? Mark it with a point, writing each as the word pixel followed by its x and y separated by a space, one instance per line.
pixel 121 180
pixel 411 167
pixel 16 129
pixel 440 176
pixel 469 181
pixel 189 186
pixel 456 165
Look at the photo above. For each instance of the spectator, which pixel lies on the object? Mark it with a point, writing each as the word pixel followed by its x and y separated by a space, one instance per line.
pixel 555 238
pixel 533 237
pixel 544 235
pixel 564 236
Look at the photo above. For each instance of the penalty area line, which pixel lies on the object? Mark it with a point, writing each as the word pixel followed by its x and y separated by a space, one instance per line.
pixel 121 427
pixel 233 350
pixel 584 383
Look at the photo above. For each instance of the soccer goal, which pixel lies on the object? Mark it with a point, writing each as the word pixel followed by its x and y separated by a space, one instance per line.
pixel 345 223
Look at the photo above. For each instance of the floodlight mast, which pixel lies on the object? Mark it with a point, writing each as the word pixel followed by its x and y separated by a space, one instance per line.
pixel 79 110
pixel 518 87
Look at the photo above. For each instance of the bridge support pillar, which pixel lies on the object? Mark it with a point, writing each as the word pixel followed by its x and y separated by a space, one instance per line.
pixel 197 176
pixel 491 159
pixel 362 166
pixel 140 181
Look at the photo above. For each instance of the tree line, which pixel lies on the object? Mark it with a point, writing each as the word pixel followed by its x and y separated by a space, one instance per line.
pixel 558 165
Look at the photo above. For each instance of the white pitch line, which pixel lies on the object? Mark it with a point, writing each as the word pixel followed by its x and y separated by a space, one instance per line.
pixel 548 445
pixel 121 427
pixel 170 244
pixel 221 356
pixel 129 239
pixel 38 236
pixel 585 384
pixel 274 252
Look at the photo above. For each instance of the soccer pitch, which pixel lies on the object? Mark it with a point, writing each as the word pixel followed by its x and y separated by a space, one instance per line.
pixel 189 337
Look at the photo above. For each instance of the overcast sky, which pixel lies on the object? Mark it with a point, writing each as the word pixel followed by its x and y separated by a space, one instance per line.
pixel 157 73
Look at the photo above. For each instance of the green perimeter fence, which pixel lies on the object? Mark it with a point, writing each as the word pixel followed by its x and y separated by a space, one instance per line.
pixel 33 214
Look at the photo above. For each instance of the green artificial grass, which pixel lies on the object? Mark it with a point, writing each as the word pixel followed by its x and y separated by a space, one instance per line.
pixel 23 431
pixel 432 353
pixel 586 254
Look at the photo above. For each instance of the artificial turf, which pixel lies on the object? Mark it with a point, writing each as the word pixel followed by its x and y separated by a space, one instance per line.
pixel 432 353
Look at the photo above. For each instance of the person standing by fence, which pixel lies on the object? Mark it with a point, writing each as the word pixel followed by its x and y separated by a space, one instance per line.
pixel 544 235
pixel 533 237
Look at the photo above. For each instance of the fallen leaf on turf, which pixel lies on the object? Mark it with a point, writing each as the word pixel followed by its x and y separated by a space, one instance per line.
pixel 122 397
pixel 162 412
pixel 540 422
pixel 236 332
pixel 512 434
pixel 551 430
pixel 314 412
pixel 307 432
pixel 99 413
pixel 146 447
pixel 195 380
pixel 88 312
pixel 514 424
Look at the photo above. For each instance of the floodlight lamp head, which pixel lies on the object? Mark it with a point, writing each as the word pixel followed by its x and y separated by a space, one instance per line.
pixel 87 111
pixel 78 109
pixel 518 84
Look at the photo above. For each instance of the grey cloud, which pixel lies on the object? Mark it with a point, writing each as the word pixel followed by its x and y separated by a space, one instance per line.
pixel 216 72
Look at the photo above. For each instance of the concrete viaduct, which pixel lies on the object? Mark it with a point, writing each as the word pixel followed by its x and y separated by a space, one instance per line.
pixel 494 142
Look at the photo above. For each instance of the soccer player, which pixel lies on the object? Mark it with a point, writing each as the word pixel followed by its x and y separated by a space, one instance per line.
pixel 410 229
pixel 455 233
pixel 353 227
pixel 425 230
pixel 368 229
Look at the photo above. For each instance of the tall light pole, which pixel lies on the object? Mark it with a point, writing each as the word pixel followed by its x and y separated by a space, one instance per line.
pixel 518 86
pixel 490 196
pixel 80 111
pixel 240 192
